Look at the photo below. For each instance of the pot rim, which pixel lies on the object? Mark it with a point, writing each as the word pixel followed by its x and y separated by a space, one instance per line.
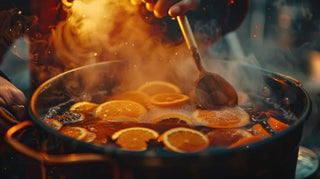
pixel 210 151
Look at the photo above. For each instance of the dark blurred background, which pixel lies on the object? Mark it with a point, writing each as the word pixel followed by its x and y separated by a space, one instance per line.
pixel 279 35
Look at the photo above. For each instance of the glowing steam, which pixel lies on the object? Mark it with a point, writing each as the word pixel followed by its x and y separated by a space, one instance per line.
pixel 102 30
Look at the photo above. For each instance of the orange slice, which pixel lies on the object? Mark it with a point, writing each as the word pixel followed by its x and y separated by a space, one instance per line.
pixel 84 107
pixel 184 140
pixel 134 138
pixel 75 132
pixel 169 99
pixel 277 125
pixel 154 87
pixel 120 108
pixel 90 137
pixel 52 123
pixel 178 119
pixel 229 117
pixel 226 137
pixel 259 130
pixel 119 119
pixel 137 96
pixel 246 141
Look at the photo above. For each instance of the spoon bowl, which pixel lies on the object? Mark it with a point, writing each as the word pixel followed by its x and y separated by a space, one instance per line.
pixel 211 91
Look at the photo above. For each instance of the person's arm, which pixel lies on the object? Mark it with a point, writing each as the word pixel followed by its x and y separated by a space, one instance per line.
pixel 210 19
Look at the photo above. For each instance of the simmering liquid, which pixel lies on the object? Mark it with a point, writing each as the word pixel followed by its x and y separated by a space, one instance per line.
pixel 260 110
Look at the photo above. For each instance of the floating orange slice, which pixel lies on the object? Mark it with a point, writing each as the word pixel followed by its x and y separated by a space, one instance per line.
pixel 169 99
pixel 277 125
pixel 84 107
pixel 90 137
pixel 137 96
pixel 134 138
pixel 75 132
pixel 52 123
pixel 246 141
pixel 118 119
pixel 175 119
pixel 115 108
pixel 154 87
pixel 226 137
pixel 184 140
pixel 229 117
pixel 259 130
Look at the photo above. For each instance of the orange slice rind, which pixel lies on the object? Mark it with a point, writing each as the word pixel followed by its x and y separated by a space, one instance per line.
pixel 169 99
pixel 154 87
pixel 277 125
pixel 259 130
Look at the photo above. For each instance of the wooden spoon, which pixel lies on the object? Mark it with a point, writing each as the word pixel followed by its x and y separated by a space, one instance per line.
pixel 211 91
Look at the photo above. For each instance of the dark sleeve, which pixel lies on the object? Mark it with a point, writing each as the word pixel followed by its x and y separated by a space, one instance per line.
pixel 4 75
pixel 212 19
pixel 215 18
pixel 229 14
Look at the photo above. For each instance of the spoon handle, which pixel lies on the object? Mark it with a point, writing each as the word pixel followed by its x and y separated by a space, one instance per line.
pixel 190 40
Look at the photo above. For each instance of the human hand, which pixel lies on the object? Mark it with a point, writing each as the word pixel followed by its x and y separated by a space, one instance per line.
pixel 174 8
pixel 10 96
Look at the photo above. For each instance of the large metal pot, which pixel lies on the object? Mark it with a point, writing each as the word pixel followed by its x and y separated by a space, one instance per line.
pixel 270 158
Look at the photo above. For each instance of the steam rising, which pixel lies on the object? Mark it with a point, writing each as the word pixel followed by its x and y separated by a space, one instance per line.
pixel 102 30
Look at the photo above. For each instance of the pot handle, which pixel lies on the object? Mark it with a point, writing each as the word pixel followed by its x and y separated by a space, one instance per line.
pixel 50 159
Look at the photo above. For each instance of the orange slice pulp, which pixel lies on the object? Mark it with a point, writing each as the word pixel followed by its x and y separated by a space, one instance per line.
pixel 228 117
pixel 78 133
pixel 115 108
pixel 85 107
pixel 169 99
pixel 134 138
pixel 184 140
pixel 177 119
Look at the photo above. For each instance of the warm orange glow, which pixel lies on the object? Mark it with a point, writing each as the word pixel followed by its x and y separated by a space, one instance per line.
pixel 104 30
pixel 315 66
pixel 231 2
